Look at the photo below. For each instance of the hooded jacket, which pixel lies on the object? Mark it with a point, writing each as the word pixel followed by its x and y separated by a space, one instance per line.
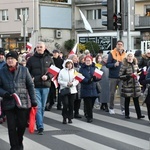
pixel 131 86
pixel 66 75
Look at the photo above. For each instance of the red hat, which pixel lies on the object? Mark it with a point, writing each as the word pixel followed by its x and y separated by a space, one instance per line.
pixel 88 56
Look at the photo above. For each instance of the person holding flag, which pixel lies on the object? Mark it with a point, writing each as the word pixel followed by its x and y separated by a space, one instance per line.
pixel 66 79
pixel 17 91
pixel 88 86
pixel 38 66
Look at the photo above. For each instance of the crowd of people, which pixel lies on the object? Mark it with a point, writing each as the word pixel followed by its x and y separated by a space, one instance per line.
pixel 28 77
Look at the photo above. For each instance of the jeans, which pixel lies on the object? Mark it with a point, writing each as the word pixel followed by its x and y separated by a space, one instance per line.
pixel 113 83
pixel 41 97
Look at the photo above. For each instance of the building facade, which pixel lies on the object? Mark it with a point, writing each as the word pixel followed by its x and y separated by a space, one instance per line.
pixel 55 21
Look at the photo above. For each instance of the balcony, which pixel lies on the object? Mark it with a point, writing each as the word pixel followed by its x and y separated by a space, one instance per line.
pixel 95 24
pixel 87 1
pixel 142 21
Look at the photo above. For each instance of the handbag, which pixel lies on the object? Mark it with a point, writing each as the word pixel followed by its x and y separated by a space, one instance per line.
pixel 98 87
pixel 65 91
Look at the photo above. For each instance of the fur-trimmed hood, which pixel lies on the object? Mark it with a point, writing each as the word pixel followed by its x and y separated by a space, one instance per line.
pixel 125 62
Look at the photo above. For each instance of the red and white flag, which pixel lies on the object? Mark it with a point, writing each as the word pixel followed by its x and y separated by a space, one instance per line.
pixel 79 77
pixel 98 73
pixel 74 50
pixel 16 97
pixel 134 75
pixel 54 80
pixel 29 46
pixel 145 70
pixel 53 70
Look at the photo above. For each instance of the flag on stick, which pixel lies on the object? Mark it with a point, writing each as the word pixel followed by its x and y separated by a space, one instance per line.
pixel 29 46
pixel 86 24
pixel 54 80
pixel 98 73
pixel 145 70
pixel 79 77
pixel 16 97
pixel 53 70
pixel 74 50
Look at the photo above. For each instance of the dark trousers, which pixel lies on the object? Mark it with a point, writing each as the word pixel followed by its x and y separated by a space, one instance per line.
pixel 88 106
pixel 68 106
pixel 148 110
pixel 16 122
pixel 59 100
pixel 136 105
pixel 77 103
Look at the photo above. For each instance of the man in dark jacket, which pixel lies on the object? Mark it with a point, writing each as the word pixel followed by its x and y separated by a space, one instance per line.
pixel 38 65
pixel 17 90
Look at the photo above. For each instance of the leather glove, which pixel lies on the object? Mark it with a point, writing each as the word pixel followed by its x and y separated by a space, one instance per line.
pixel 34 104
pixel 7 96
pixel 94 78
pixel 128 77
pixel 90 80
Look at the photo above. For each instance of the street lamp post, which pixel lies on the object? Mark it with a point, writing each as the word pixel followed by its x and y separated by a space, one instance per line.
pixel 23 18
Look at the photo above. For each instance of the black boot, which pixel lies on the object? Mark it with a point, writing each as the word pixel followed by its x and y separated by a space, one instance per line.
pixel 64 121
pixel 106 107
pixel 102 107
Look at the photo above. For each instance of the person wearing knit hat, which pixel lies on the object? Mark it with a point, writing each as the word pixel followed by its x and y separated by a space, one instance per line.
pixel 2 51
pixel 17 91
pixel 12 54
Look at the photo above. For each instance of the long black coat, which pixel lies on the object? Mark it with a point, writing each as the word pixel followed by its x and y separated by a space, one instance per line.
pixel 19 82
pixel 38 66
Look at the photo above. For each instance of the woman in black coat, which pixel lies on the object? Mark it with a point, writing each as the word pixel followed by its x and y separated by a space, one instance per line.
pixel 88 86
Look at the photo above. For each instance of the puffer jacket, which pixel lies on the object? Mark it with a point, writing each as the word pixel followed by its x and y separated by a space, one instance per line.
pixel 19 82
pixel 65 76
pixel 88 89
pixel 38 65
pixel 131 86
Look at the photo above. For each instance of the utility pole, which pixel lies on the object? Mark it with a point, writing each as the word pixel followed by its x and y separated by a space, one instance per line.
pixel 118 11
pixel 24 18
pixel 128 28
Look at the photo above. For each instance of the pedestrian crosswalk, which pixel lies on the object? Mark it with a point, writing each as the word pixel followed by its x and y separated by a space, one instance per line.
pixel 107 132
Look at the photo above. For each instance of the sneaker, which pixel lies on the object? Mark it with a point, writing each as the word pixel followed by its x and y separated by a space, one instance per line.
pixel 122 112
pixel 111 111
pixel 40 131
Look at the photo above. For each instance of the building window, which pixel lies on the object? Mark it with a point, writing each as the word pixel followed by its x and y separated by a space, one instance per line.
pixel 94 14
pixel 4 15
pixel 22 11
pixel 147 8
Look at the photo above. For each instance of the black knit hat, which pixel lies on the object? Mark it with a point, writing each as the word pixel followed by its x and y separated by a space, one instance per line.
pixel 2 52
pixel 13 54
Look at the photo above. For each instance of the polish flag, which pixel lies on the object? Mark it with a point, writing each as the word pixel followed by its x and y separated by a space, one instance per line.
pixel 98 73
pixel 16 97
pixel 86 23
pixel 79 77
pixel 74 50
pixel 53 70
pixel 54 80
pixel 145 70
pixel 134 75
pixel 29 46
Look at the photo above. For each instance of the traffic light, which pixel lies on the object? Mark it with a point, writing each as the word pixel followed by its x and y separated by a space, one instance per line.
pixel 117 21
pixel 107 14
